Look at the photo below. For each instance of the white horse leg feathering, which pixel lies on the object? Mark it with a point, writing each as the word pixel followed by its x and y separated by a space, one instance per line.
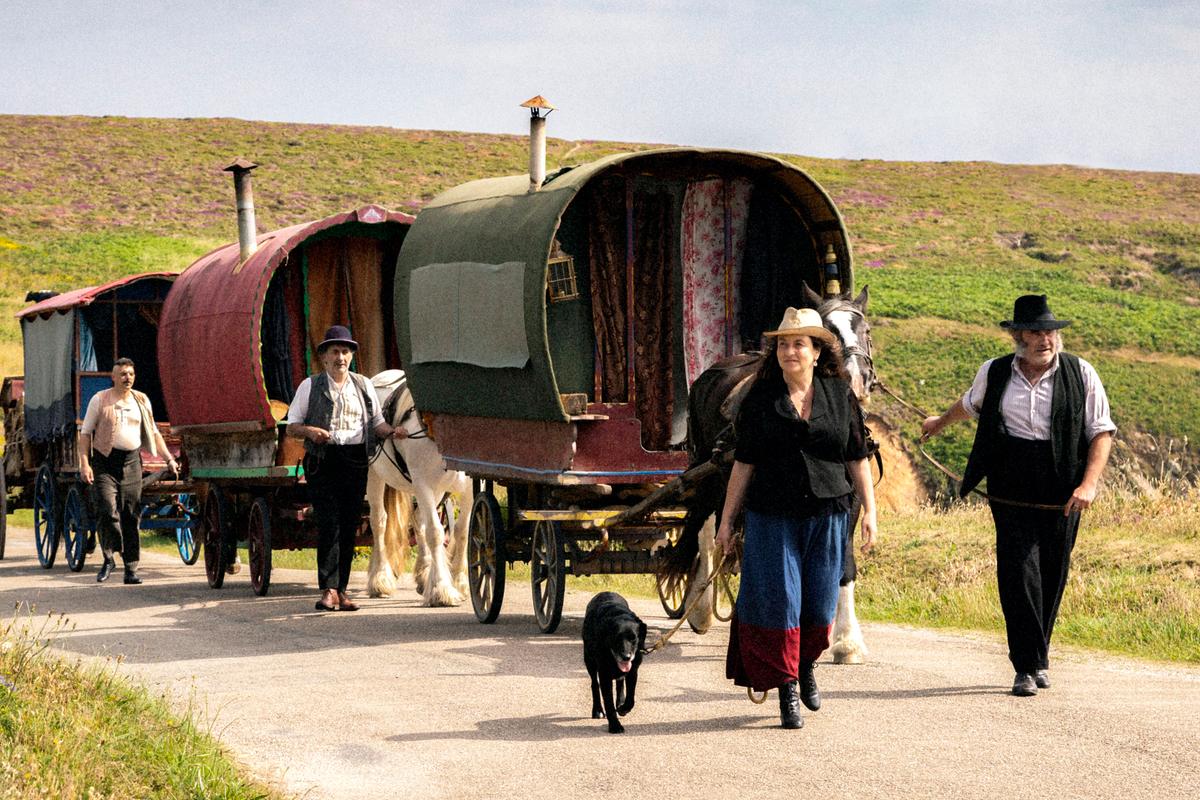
pixel 436 575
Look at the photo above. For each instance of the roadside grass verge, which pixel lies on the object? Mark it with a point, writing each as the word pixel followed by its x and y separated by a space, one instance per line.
pixel 1133 587
pixel 78 730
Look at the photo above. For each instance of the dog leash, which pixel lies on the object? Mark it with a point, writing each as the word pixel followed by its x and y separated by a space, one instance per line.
pixel 664 638
pixel 922 414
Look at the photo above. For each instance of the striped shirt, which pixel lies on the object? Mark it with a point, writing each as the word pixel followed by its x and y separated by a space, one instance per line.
pixel 1025 406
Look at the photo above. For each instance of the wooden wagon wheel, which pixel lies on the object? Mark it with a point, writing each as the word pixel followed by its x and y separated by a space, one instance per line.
pixel 672 592
pixel 547 574
pixel 258 538
pixel 45 516
pixel 3 509
pixel 214 530
pixel 76 525
pixel 485 557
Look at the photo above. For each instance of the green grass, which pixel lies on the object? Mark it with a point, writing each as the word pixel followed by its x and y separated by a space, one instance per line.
pixel 76 730
pixel 1133 588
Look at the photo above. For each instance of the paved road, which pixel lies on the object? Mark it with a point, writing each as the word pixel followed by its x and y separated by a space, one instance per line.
pixel 401 701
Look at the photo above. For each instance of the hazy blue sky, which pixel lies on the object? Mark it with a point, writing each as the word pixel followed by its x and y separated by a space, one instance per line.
pixel 1110 84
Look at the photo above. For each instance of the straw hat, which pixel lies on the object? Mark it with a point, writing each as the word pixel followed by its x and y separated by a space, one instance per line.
pixel 803 322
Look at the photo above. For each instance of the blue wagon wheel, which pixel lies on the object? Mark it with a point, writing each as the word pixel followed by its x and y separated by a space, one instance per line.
pixel 76 525
pixel 45 516
pixel 187 508
pixel 3 509
pixel 485 557
pixel 258 542
pixel 548 574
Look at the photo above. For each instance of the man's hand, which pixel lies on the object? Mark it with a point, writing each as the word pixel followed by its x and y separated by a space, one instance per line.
pixel 1083 496
pixel 86 475
pixel 318 435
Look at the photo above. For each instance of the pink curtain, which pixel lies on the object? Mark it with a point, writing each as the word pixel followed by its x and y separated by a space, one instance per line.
pixel 707 301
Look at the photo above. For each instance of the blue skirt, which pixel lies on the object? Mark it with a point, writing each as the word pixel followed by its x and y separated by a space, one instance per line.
pixel 791 568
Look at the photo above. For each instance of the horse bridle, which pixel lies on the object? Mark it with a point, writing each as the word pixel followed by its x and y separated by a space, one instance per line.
pixel 855 350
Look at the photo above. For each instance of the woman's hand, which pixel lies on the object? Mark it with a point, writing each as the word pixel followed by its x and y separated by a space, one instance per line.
pixel 725 538
pixel 870 528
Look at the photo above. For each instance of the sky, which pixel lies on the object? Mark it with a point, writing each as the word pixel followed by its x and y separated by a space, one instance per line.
pixel 1102 84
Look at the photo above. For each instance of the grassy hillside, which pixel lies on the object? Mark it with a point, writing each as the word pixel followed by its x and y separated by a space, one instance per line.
pixel 944 247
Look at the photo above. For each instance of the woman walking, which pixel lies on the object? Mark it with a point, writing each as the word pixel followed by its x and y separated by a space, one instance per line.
pixel 801 456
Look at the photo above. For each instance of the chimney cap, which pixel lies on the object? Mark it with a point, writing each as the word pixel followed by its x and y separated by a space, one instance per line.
pixel 537 102
pixel 240 165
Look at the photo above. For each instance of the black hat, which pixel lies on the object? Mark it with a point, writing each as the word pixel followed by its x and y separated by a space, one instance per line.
pixel 1031 313
pixel 337 334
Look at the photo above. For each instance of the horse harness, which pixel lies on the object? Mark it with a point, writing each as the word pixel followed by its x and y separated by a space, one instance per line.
pixel 389 410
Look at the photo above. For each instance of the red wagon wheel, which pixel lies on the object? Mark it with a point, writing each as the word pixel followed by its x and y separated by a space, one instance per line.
pixel 258 537
pixel 214 530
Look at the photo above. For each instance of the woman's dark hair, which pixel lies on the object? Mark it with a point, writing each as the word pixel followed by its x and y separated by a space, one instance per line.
pixel 829 363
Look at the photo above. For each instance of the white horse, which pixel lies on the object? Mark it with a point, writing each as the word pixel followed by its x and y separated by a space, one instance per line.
pixel 847 320
pixel 440 577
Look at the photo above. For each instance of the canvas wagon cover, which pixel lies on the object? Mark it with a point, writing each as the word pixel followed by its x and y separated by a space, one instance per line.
pixel 486 354
pixel 48 333
pixel 209 344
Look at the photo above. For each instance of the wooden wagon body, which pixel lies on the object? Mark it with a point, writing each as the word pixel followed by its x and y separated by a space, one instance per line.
pixel 237 337
pixel 550 335
pixel 70 343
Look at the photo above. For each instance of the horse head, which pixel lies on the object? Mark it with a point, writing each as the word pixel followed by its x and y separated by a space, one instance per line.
pixel 847 320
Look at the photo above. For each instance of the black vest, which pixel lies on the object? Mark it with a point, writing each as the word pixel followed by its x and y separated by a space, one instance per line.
pixel 320 410
pixel 1068 438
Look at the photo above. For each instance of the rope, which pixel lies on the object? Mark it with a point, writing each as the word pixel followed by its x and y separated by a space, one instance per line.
pixel 663 639
pixel 922 413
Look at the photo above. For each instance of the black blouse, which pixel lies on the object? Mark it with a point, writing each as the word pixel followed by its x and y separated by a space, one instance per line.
pixel 772 438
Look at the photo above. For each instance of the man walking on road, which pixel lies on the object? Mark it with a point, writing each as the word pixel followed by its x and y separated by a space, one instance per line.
pixel 1043 440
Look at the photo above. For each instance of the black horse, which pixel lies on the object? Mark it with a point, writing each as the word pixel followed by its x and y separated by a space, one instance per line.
pixel 712 407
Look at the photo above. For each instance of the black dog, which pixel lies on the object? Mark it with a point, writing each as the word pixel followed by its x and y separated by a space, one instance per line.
pixel 613 641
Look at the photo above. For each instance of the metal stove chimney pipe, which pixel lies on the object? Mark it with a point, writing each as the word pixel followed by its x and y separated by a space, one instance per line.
pixel 537 139
pixel 247 230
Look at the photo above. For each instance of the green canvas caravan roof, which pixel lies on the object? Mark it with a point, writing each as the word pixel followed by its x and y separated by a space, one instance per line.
pixel 474 326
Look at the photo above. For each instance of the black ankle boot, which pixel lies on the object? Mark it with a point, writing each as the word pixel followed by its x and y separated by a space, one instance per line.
pixel 789 706
pixel 131 576
pixel 808 687
pixel 106 569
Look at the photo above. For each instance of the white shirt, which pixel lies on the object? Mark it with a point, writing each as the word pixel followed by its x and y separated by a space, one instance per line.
pixel 346 426
pixel 1025 406
pixel 127 430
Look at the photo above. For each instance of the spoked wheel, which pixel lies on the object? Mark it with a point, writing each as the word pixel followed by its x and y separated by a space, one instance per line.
pixel 3 509
pixel 485 558
pixel 45 516
pixel 547 569
pixel 187 506
pixel 258 536
pixel 214 530
pixel 76 526
pixel 672 592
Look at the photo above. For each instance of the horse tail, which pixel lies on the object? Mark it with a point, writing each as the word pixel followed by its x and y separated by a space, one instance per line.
pixel 395 536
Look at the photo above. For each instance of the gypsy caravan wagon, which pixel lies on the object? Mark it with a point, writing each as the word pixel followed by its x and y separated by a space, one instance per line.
pixel 71 341
pixel 550 330
pixel 238 335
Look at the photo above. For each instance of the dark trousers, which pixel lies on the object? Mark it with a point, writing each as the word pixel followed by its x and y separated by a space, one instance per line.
pixel 1033 550
pixel 117 491
pixel 337 483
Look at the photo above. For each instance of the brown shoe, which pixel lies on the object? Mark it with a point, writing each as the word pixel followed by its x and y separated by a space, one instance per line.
pixel 345 603
pixel 328 601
